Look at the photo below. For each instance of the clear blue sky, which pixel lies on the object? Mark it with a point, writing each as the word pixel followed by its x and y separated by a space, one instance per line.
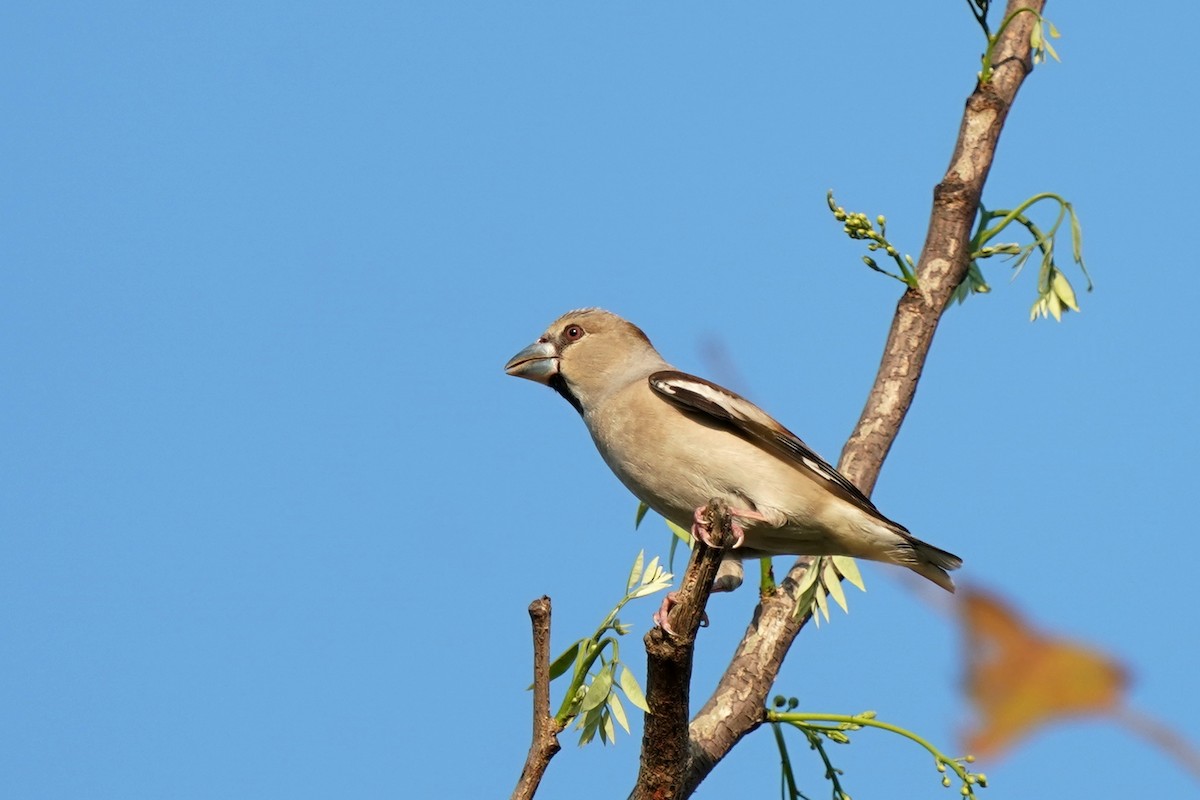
pixel 271 513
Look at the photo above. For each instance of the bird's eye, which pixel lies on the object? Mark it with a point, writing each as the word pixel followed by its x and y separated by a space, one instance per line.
pixel 573 333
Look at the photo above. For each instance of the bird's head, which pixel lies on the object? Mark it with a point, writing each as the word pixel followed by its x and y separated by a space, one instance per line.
pixel 586 354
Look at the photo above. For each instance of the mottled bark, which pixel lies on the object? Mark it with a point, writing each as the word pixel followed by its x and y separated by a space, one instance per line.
pixel 736 706
pixel 545 727
pixel 664 764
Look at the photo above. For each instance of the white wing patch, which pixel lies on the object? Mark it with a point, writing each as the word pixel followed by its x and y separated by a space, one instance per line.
pixel 751 422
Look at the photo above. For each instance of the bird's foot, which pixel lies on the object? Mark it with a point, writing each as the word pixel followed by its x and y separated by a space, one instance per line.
pixel 702 525
pixel 729 577
pixel 664 611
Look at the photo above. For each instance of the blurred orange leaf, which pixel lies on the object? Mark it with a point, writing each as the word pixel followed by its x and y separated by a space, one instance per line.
pixel 1020 679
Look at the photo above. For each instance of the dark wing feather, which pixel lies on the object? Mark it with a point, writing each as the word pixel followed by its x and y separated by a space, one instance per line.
pixel 737 414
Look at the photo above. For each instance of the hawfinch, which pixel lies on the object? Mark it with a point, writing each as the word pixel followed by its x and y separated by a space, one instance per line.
pixel 677 441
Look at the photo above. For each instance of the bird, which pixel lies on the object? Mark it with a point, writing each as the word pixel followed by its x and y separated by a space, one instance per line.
pixel 677 442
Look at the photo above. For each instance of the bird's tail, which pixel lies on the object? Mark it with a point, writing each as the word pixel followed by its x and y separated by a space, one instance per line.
pixel 931 562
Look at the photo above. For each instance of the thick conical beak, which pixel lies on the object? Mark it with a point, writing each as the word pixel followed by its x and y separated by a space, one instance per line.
pixel 538 362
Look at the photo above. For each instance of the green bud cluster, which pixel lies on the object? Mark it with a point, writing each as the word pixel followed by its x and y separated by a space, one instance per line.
pixel 859 226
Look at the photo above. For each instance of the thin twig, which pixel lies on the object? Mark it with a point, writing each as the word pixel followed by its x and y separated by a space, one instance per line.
pixel 545 727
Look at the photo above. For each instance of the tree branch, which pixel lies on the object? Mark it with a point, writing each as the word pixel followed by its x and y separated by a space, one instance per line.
pixel 669 671
pixel 736 706
pixel 545 727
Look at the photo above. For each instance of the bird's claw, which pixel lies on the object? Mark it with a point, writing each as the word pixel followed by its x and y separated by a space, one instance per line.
pixel 702 525
pixel 664 611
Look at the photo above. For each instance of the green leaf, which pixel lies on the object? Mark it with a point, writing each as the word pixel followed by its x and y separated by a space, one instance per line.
pixel 618 710
pixel 633 573
pixel 586 647
pixel 805 589
pixel 678 535
pixel 1062 288
pixel 822 602
pixel 597 693
pixel 608 732
pixel 808 579
pixel 590 722
pixel 652 572
pixel 1021 259
pixel 1076 238
pixel 1056 307
pixel 641 514
pixel 683 535
pixel 829 577
pixel 632 690
pixel 848 567
pixel 564 661
pixel 651 588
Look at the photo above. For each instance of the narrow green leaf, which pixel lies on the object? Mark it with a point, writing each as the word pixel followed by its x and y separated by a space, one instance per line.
pixel 641 514
pixel 1062 288
pixel 829 576
pixel 1021 258
pixel 822 601
pixel 618 710
pixel 651 573
pixel 1045 273
pixel 564 661
pixel 1077 244
pixel 648 589
pixel 585 647
pixel 589 723
pixel 848 568
pixel 808 579
pixel 1076 239
pixel 683 535
pixel 597 693
pixel 632 690
pixel 608 732
pixel 633 573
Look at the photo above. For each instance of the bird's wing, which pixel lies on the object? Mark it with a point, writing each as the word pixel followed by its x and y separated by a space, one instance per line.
pixel 730 410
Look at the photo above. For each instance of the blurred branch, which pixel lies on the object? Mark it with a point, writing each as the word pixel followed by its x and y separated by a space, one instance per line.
pixel 545 727
pixel 1161 736
pixel 737 705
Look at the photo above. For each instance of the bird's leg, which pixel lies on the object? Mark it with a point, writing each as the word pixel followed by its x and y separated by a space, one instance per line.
pixel 664 611
pixel 729 577
pixel 702 525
